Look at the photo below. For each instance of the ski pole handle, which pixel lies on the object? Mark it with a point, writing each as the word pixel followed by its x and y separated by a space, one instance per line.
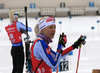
pixel 83 37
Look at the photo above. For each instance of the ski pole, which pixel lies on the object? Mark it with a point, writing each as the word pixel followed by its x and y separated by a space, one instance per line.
pixel 78 58
pixel 83 37
pixel 57 69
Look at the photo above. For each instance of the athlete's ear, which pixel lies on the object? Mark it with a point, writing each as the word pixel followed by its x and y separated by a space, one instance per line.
pixel 42 31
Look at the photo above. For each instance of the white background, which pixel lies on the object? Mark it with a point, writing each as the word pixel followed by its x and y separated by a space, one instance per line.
pixel 73 28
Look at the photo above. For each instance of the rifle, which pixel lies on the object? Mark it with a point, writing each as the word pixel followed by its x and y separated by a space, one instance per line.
pixel 27 46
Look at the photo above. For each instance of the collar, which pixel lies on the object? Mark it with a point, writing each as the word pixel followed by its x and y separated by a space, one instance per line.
pixel 45 38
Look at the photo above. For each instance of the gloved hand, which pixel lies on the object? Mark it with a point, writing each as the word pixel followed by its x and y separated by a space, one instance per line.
pixel 61 43
pixel 27 39
pixel 62 40
pixel 81 40
pixel 23 31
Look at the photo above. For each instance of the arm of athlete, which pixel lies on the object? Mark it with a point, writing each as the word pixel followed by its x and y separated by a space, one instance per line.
pixel 42 51
pixel 75 45
pixel 23 27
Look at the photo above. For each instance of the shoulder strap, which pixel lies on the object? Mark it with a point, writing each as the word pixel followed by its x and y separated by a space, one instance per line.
pixel 38 66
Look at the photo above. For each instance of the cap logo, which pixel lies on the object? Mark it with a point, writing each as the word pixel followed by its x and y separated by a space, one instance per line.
pixel 50 19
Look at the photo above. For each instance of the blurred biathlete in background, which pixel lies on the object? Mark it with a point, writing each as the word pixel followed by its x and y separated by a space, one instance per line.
pixel 43 58
pixel 14 31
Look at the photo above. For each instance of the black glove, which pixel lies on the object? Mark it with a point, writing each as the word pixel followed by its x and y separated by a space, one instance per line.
pixel 62 39
pixel 81 40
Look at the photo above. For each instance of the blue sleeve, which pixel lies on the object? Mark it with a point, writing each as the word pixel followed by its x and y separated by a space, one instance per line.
pixel 44 52
pixel 22 26
pixel 54 54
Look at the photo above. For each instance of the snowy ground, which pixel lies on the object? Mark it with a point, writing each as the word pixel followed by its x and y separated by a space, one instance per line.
pixel 73 28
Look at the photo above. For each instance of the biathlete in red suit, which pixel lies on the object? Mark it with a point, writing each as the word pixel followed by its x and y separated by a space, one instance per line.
pixel 43 58
pixel 14 33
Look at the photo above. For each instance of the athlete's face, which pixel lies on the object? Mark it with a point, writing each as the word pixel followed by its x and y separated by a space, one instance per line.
pixel 16 18
pixel 49 31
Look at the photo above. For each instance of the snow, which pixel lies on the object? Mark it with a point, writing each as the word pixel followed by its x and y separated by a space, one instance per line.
pixel 73 28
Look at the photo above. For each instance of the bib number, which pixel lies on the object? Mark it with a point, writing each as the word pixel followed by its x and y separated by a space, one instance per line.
pixel 11 38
